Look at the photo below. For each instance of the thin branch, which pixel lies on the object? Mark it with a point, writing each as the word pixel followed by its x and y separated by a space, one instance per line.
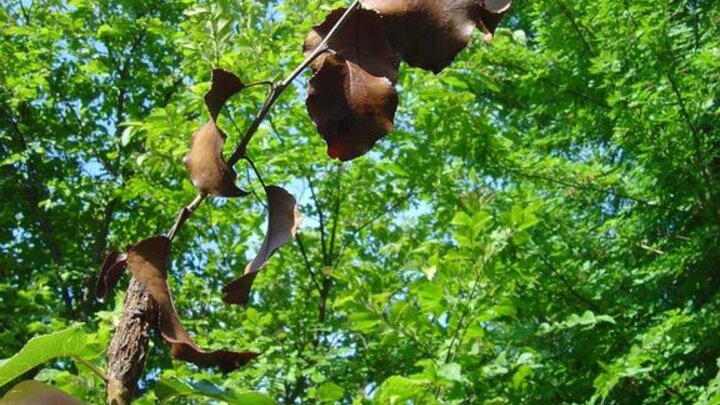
pixel 566 11
pixel 95 370
pixel 321 219
pixel 459 332
pixel 335 215
pixel 589 187
pixel 255 169
pixel 385 211
pixel 306 260
pixel 280 87
pixel 184 214
pixel 569 286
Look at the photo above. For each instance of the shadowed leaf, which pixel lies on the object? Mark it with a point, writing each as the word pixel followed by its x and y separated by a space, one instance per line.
pixel 283 221
pixel 36 393
pixel 430 33
pixel 208 170
pixel 147 262
pixel 224 86
pixel 112 268
pixel 351 98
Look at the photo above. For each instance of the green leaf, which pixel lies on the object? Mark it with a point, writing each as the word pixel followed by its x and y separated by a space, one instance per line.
pixel 168 388
pixel 451 372
pixel 397 389
pixel 67 342
pixel 520 375
pixel 330 392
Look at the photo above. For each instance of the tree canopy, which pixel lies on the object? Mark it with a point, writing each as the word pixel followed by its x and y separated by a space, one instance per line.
pixel 541 226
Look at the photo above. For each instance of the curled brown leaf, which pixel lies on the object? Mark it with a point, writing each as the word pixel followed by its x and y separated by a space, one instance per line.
pixel 283 221
pixel 430 33
pixel 224 85
pixel 351 97
pixel 351 108
pixel 147 262
pixel 208 170
pixel 112 269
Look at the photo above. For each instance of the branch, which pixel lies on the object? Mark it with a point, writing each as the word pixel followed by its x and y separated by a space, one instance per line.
pixel 306 260
pixel 129 345
pixel 569 286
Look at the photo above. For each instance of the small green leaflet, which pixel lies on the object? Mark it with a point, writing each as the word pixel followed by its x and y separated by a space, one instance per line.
pixel 168 388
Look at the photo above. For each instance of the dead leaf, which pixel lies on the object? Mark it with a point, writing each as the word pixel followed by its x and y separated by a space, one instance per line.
pixel 147 261
pixel 351 108
pixel 283 221
pixel 430 33
pixel 208 170
pixel 112 269
pixel 361 40
pixel 224 85
pixel 351 97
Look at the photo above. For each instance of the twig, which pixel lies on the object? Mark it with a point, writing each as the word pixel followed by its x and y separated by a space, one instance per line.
pixel 255 169
pixel 185 213
pixel 97 371
pixel 308 265
pixel 280 87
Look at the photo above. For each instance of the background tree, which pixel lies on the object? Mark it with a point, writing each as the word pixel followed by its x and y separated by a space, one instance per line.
pixel 541 227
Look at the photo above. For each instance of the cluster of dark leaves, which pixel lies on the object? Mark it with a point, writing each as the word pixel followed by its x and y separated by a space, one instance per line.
pixel 352 97
pixel 352 100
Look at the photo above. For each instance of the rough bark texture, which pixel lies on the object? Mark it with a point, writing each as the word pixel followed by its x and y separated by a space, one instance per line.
pixel 126 355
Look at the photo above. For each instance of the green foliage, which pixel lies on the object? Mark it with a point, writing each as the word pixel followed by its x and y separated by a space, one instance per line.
pixel 168 389
pixel 541 227
pixel 69 342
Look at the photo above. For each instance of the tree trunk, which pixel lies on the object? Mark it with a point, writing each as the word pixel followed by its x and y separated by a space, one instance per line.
pixel 128 349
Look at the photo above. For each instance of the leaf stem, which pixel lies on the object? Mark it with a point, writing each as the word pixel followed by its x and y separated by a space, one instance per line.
pixel 184 214
pixel 97 371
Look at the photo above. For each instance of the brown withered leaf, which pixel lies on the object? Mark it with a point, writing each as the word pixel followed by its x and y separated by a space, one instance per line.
pixel 283 221
pixel 147 261
pixel 430 33
pixel 112 269
pixel 361 40
pixel 208 170
pixel 351 98
pixel 224 85
pixel 351 108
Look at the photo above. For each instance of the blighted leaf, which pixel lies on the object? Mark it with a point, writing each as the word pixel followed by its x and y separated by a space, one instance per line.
pixel 351 97
pixel 208 170
pixel 224 85
pixel 112 268
pixel 283 221
pixel 361 40
pixel 430 33
pixel 351 108
pixel 147 261
pixel 36 393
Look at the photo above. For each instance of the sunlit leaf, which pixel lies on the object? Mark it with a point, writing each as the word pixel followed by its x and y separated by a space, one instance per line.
pixel 67 342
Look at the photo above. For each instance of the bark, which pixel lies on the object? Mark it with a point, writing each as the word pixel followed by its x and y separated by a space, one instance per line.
pixel 128 349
